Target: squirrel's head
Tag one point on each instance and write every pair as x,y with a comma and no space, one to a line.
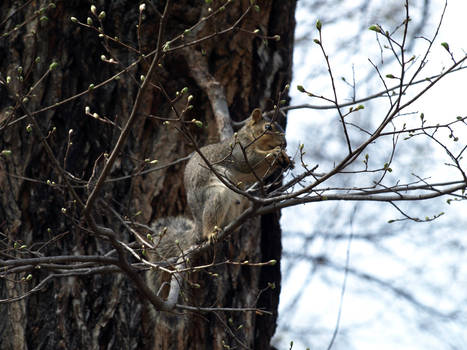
265,133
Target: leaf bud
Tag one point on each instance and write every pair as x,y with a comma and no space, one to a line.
375,28
318,25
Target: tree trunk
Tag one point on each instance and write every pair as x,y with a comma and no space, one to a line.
106,311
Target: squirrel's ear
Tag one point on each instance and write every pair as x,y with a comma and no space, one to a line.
256,115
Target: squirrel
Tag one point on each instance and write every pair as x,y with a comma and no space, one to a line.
253,153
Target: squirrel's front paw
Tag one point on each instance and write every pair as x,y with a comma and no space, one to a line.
213,237
279,156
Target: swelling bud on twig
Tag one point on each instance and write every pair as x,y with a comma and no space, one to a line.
53,65
375,28
446,46
74,19
318,25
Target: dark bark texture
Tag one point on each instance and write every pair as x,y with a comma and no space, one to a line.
106,311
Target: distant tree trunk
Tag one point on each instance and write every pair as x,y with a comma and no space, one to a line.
105,311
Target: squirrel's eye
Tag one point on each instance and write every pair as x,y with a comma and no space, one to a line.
268,127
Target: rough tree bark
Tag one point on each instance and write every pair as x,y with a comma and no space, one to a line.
106,311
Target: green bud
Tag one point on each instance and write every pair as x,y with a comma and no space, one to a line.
101,15
277,37
6,152
94,10
91,86
256,31
74,19
318,25
184,90
300,88
44,19
256,8
316,41
29,128
375,28
390,76
53,65
89,21
446,46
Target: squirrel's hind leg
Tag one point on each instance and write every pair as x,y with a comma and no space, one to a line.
223,206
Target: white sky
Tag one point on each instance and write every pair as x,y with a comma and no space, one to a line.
378,327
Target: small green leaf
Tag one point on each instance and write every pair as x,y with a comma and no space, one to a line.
446,46
300,88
